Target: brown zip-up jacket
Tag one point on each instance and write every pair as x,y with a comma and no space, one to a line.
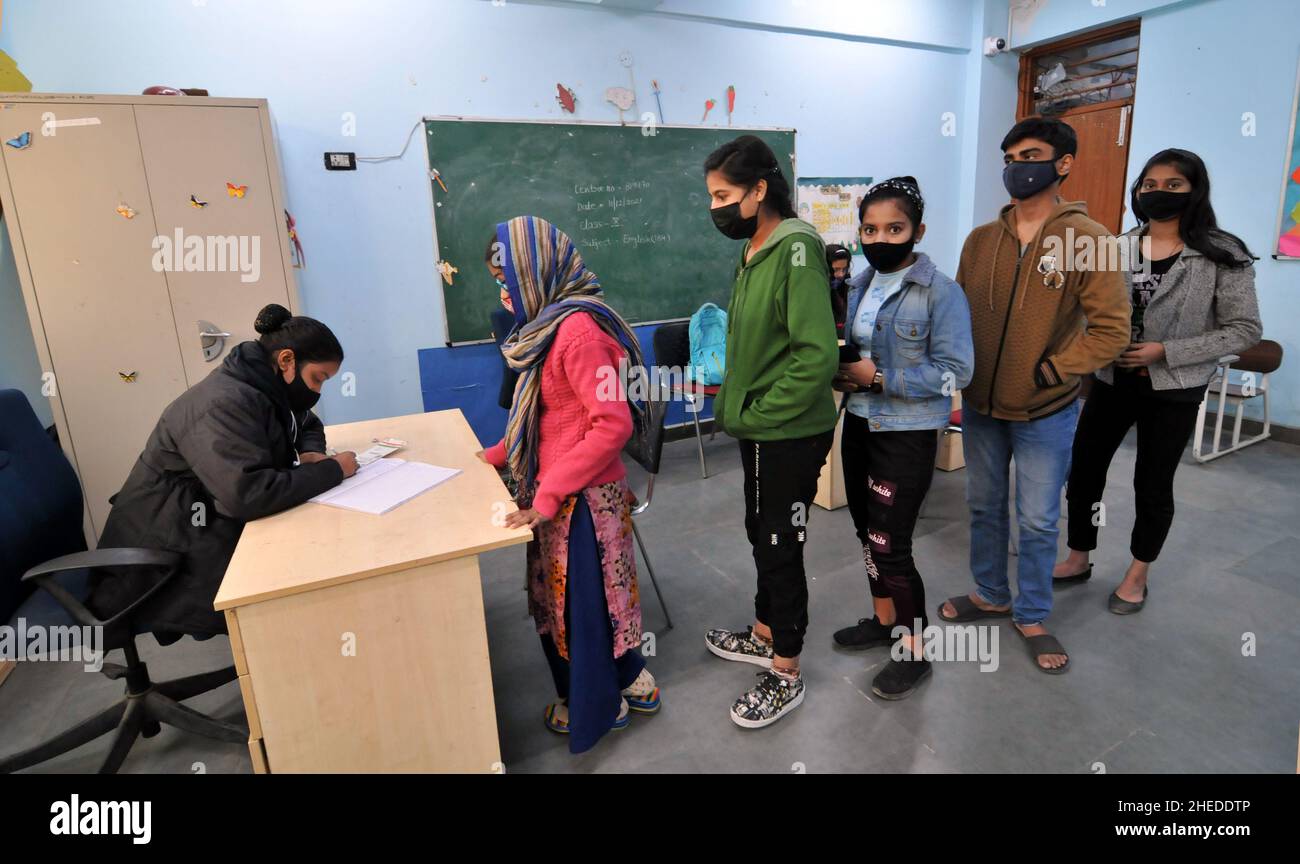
1037,333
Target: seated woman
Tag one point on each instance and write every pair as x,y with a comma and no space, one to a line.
241,444
562,445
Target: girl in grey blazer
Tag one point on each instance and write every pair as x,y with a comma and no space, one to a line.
1192,287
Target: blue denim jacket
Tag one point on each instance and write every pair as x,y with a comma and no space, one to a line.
922,345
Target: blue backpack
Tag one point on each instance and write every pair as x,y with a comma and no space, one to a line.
708,333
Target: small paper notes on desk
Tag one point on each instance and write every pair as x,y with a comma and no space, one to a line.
385,484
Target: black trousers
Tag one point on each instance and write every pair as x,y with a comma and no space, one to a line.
886,477
1163,429
780,484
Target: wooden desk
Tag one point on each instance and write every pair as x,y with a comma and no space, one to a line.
360,640
830,483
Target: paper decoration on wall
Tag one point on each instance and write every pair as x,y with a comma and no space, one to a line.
1288,216
830,204
235,191
708,106
298,256
128,377
568,101
731,101
437,175
125,211
197,204
11,80
447,271
622,98
654,88
22,142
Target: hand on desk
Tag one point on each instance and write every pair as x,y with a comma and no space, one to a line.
348,460
529,518
308,458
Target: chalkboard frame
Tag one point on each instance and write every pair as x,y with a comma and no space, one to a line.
433,216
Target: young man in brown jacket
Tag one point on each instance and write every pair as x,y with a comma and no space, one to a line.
1048,306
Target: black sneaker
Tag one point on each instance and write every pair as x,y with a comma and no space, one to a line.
867,633
899,678
740,645
767,701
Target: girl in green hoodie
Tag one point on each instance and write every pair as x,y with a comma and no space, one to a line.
776,398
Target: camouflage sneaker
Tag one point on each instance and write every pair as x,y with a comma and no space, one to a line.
772,697
742,646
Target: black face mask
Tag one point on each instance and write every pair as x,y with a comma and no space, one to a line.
1026,179
887,256
729,221
301,397
1159,205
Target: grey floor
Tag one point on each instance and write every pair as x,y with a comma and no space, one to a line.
1168,690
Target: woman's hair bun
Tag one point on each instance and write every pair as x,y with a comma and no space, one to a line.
272,317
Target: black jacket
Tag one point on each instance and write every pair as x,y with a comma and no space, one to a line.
223,453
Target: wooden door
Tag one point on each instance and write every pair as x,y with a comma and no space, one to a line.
196,151
1101,163
95,299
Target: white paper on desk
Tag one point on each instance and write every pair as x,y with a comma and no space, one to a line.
383,485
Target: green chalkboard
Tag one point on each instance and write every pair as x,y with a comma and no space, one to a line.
635,205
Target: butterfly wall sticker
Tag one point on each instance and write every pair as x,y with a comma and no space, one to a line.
128,377
21,142
235,191
197,204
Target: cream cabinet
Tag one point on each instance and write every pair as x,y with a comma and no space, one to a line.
147,233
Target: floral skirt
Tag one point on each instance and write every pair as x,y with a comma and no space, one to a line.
548,562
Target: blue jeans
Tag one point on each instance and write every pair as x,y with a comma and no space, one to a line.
1041,449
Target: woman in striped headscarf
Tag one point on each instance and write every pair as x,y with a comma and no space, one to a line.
562,446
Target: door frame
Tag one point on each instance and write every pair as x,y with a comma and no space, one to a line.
1025,83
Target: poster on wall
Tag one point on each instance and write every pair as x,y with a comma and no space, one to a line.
831,205
1288,217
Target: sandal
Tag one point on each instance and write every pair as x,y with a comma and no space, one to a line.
1045,643
1075,578
968,611
557,717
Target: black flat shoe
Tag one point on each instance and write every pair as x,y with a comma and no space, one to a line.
1075,579
867,633
900,678
1120,606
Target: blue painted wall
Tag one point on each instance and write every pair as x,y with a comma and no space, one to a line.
19,367
861,107
869,89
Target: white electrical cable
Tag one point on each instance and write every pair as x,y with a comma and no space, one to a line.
398,155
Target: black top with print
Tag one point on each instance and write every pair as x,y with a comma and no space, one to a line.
1146,282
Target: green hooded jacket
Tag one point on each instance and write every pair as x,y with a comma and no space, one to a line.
782,351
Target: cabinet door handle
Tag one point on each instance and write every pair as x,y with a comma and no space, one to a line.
211,339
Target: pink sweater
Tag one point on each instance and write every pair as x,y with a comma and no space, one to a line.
581,435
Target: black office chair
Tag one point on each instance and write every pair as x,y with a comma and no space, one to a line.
146,704
672,343
646,450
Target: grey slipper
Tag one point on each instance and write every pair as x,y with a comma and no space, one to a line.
1046,643
967,610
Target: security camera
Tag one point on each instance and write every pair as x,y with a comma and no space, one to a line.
994,45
